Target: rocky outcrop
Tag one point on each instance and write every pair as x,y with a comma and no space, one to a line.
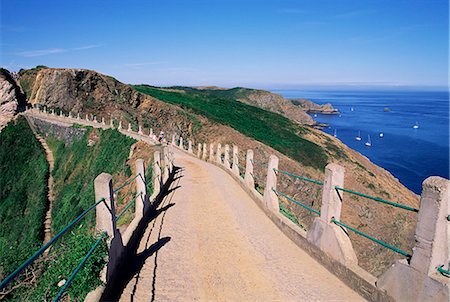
273,102
311,107
11,99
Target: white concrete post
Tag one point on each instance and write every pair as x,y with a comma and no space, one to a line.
324,234
70,114
141,188
173,139
190,146
105,217
151,133
331,199
129,127
87,117
270,197
156,173
120,125
219,153
78,116
248,178
420,280
226,161
95,119
211,152
60,112
204,151
45,109
235,167
199,150
140,130
181,143
167,164
53,112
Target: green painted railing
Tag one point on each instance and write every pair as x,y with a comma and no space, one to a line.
394,204
300,177
258,164
126,183
46,246
382,243
259,179
78,268
443,271
297,202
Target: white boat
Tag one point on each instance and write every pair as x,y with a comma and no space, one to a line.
368,143
315,115
358,138
352,109
416,126
381,135
335,133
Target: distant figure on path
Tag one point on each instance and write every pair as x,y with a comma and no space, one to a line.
161,137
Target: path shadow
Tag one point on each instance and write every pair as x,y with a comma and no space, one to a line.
125,261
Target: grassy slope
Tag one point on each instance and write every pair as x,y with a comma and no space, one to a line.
76,167
269,128
23,195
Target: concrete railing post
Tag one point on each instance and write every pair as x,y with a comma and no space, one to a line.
270,197
219,154
248,178
141,188
211,152
420,280
199,150
235,166
87,117
103,121
105,217
129,127
120,125
173,140
181,143
151,133
204,151
140,130
156,173
226,160
167,164
324,234
190,146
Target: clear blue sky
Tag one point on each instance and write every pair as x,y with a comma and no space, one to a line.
269,44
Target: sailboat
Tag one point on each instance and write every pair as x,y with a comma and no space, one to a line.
381,135
416,126
368,143
358,138
335,133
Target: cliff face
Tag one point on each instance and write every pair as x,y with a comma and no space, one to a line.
310,107
90,92
10,98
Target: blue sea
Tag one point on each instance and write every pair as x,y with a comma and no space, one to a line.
411,155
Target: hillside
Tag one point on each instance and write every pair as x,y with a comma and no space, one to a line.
203,117
23,195
11,98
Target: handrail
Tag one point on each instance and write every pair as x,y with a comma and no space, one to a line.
126,183
297,202
299,177
128,206
394,204
254,176
46,246
79,267
258,164
382,243
443,271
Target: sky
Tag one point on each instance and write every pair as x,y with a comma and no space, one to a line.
262,44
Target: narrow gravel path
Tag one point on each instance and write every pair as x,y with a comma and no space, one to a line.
222,247
51,163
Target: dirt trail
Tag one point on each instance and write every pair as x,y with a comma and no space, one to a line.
222,247
51,163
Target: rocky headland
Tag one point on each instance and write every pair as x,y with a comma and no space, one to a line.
311,107
11,98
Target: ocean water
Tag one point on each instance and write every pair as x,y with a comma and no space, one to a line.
411,155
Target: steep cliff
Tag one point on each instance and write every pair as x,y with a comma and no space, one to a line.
213,116
11,98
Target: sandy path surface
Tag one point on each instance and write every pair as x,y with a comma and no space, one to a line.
219,246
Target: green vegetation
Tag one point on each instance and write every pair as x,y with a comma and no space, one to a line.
267,127
76,167
23,195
